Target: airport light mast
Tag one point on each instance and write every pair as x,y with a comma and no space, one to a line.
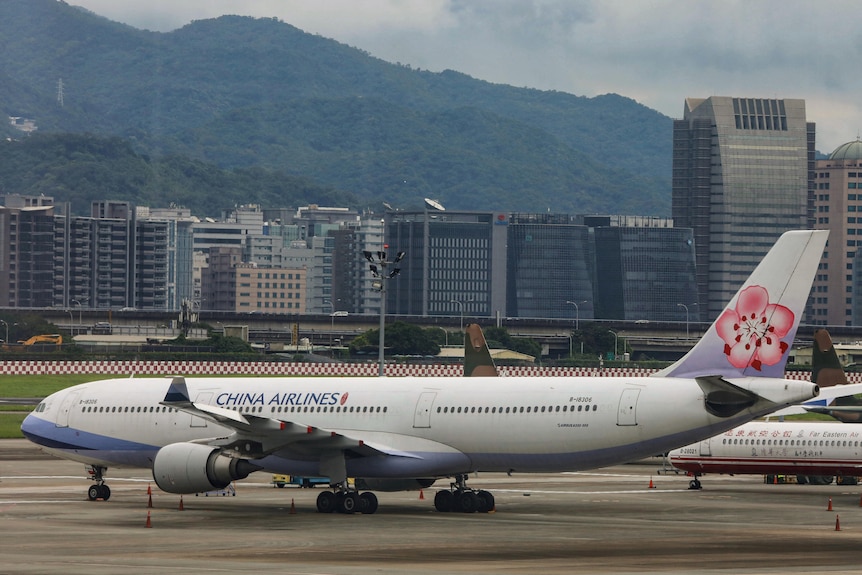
378,264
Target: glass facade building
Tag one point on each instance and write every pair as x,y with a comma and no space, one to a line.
743,173
549,263
450,257
645,274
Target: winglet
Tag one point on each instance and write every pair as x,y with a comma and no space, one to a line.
753,335
477,356
178,392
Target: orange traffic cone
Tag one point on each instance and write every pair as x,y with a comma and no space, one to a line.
292,507
837,524
830,505
182,508
651,484
149,497
149,523
421,494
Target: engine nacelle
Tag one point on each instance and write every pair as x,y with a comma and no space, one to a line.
193,468
384,484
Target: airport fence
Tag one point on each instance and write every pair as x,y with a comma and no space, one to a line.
137,367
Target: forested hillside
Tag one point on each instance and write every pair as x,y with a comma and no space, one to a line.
81,168
242,98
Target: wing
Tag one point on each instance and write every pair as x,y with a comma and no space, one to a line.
835,398
254,436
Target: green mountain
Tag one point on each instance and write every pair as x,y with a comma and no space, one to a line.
260,101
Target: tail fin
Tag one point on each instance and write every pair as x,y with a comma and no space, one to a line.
753,334
477,357
826,369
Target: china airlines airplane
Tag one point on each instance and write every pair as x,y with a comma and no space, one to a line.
198,434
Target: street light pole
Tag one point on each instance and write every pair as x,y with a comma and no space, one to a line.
76,302
378,263
577,312
461,309
686,316
577,323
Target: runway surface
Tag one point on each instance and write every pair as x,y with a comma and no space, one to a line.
604,521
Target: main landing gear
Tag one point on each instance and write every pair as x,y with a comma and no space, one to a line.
346,501
461,498
99,490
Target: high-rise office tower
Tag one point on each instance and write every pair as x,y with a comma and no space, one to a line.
743,173
838,204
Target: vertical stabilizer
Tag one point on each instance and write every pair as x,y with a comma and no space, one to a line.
753,335
477,357
826,369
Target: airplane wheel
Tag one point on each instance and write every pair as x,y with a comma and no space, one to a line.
367,503
106,492
486,501
467,502
349,503
93,492
326,502
444,501
694,484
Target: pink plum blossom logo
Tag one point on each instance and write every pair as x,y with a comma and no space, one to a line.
752,332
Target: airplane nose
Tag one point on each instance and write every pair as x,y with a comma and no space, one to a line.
28,427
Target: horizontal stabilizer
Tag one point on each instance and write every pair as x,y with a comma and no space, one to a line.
723,399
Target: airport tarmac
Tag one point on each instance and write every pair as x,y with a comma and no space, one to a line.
603,521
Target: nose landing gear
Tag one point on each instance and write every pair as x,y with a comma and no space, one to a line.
99,490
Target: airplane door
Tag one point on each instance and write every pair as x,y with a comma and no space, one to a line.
422,416
705,448
203,397
66,408
627,414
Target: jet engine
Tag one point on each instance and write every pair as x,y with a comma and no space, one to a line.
385,484
194,468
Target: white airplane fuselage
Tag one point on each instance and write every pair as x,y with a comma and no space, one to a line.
426,427
787,448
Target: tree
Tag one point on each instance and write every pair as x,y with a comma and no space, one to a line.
598,340
500,337
400,339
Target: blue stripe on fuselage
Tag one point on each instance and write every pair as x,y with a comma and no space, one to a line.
102,448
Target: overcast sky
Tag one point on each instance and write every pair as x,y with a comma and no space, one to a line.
657,52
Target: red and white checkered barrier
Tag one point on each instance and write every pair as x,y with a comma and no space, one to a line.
313,369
